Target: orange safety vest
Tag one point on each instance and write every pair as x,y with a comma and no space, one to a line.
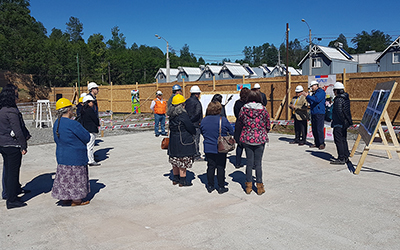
160,107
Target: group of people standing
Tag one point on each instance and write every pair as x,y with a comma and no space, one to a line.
340,118
186,123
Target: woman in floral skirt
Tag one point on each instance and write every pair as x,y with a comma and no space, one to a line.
71,184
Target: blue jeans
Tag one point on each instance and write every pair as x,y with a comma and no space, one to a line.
157,120
254,154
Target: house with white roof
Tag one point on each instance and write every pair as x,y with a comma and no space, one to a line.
327,60
190,74
280,70
233,71
161,75
367,61
209,72
389,60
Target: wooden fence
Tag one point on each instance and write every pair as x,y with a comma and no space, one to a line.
359,86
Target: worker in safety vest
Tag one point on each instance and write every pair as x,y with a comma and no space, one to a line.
159,107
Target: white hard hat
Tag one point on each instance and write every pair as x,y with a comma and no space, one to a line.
195,89
256,86
338,85
299,88
83,94
92,85
87,98
158,92
313,83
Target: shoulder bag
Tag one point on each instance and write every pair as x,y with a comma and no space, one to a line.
225,143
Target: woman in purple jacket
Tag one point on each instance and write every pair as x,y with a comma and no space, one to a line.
210,130
254,119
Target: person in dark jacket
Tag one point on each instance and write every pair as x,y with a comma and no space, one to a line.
238,127
218,98
71,184
195,111
181,147
13,144
210,127
317,110
91,123
93,89
176,89
257,88
341,121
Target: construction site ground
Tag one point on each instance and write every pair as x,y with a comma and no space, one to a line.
308,204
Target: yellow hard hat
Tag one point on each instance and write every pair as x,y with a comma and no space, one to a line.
81,99
178,99
62,103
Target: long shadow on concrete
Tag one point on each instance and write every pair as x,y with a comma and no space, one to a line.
39,185
95,187
366,169
102,154
239,177
321,154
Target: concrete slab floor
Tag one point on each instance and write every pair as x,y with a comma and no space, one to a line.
308,204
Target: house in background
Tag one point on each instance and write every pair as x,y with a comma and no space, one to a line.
366,62
251,71
266,71
161,75
233,71
190,74
209,72
280,70
327,60
389,60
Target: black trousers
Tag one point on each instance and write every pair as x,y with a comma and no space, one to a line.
216,161
317,126
340,139
12,163
300,130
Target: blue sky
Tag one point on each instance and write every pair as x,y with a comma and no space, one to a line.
220,29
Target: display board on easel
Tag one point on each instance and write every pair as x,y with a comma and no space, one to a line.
371,123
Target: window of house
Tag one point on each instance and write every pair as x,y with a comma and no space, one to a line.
208,75
316,63
396,57
161,76
225,74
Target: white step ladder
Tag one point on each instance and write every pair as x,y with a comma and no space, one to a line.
43,110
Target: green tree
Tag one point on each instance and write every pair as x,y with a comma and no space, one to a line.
75,29
377,41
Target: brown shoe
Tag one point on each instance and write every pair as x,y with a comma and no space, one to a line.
321,147
313,146
249,187
260,188
82,203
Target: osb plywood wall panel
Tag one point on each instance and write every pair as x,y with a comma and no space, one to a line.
358,85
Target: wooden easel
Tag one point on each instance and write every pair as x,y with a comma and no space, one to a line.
378,131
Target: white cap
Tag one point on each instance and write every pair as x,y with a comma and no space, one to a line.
299,88
83,94
195,89
87,98
158,92
92,85
256,86
338,85
313,83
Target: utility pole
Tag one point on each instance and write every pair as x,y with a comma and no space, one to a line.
287,71
79,82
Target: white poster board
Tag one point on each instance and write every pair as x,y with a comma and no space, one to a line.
205,99
325,82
